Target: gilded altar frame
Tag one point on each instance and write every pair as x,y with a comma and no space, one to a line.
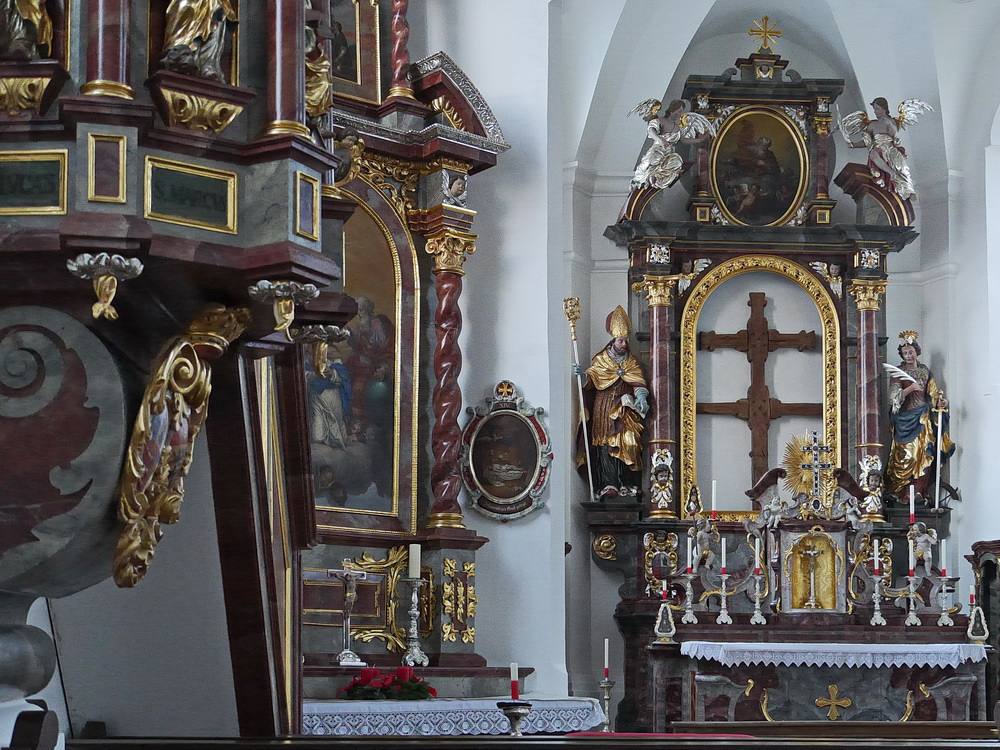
689,349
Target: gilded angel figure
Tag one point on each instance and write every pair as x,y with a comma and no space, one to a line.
661,165
25,27
194,36
886,156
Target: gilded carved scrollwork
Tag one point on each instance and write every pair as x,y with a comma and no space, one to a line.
450,249
172,412
658,543
395,179
605,547
392,566
867,294
458,602
20,94
443,107
199,112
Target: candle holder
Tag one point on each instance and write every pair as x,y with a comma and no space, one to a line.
757,618
413,656
689,617
724,618
515,711
606,685
911,617
944,599
877,618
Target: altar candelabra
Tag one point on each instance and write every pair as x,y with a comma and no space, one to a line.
689,617
944,600
724,618
606,685
414,656
757,618
911,616
877,618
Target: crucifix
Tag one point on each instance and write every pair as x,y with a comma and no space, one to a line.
758,408
814,449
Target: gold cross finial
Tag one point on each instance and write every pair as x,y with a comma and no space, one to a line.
833,702
766,33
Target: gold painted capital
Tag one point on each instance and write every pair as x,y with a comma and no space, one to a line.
659,289
867,294
198,112
107,88
450,249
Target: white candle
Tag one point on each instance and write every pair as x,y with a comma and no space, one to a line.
690,559
413,568
515,687
663,591
756,555
944,557
606,660
972,594
912,493
713,503
513,671
723,554
875,551
910,549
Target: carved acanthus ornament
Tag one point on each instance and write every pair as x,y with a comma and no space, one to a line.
20,94
867,294
106,271
172,412
450,249
659,289
458,601
392,566
283,295
443,107
320,337
396,180
199,112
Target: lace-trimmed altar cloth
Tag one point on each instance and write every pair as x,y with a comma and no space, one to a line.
836,654
445,716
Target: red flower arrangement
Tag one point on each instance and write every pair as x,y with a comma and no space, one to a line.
373,685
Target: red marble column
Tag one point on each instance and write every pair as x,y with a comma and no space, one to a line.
400,60
662,418
867,295
107,49
449,250
286,70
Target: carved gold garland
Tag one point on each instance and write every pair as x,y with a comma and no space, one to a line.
392,567
172,412
689,345
459,601
427,603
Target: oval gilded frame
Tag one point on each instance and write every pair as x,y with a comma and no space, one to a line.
689,350
784,126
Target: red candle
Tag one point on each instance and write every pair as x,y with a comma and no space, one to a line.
515,688
663,591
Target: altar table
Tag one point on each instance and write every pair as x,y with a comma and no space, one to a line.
794,681
448,716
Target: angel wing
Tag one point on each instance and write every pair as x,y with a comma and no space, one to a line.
853,124
898,373
693,124
701,264
908,111
645,108
820,268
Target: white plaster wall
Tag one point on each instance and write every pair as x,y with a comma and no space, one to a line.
513,323
154,659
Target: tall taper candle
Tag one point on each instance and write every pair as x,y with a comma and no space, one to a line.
723,555
875,551
944,557
910,556
713,499
756,555
690,561
972,594
912,494
607,663
413,568
515,689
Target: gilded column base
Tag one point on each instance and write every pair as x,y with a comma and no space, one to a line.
660,513
874,517
402,91
286,127
107,88
445,521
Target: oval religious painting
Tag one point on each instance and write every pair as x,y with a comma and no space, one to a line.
759,167
505,456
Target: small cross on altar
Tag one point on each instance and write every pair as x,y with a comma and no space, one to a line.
814,449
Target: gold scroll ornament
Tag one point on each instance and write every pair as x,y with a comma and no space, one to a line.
459,601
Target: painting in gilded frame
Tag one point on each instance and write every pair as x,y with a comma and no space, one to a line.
759,168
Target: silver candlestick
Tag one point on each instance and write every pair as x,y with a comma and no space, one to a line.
606,685
515,711
724,618
757,618
689,617
877,618
911,616
944,599
413,656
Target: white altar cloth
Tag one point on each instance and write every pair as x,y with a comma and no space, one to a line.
836,654
445,716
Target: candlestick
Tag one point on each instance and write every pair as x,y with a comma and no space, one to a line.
910,556
756,555
413,568
713,504
875,551
515,688
944,558
912,494
690,561
723,555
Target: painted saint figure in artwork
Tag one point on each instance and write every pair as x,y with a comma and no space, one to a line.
916,404
615,402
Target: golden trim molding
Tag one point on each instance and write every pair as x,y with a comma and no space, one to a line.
59,156
302,177
92,140
689,350
232,194
392,567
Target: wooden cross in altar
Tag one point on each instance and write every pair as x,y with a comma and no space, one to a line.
814,449
758,408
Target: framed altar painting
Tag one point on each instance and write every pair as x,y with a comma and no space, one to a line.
355,50
759,167
505,456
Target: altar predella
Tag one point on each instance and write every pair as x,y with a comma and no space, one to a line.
826,596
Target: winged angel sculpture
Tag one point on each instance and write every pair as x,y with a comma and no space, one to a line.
661,164
886,156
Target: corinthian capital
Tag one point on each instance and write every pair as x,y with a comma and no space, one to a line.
867,294
659,289
449,248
